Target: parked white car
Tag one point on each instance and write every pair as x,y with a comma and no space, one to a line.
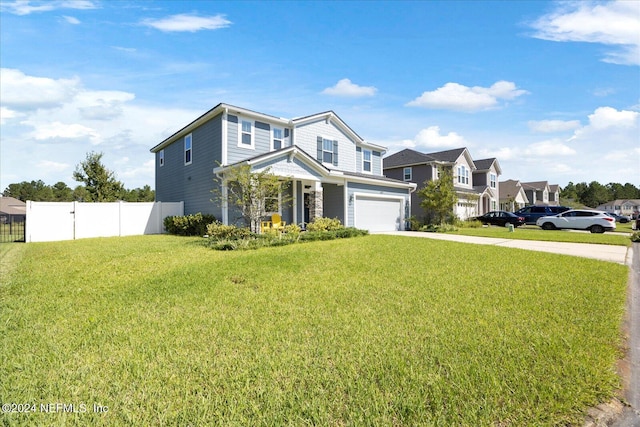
578,219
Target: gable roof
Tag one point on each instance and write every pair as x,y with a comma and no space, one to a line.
511,188
485,165
535,185
448,155
406,157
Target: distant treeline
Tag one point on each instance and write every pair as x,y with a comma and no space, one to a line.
595,194
38,191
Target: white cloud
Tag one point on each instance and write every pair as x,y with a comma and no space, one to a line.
48,166
26,7
20,91
612,23
457,97
7,114
71,20
186,22
431,138
550,126
57,131
549,148
346,88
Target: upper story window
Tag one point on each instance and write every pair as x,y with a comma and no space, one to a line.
245,139
493,179
407,174
187,150
278,138
463,175
161,158
327,151
366,160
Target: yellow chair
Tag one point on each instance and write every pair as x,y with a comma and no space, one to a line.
276,223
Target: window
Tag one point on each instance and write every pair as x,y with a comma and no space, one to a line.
327,151
161,157
493,179
272,204
463,175
277,138
366,160
187,150
407,174
246,134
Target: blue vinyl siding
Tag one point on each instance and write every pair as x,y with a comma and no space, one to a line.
261,140
192,183
333,201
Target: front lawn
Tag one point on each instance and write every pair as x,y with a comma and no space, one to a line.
377,330
536,233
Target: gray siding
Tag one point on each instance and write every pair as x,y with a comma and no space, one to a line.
333,201
306,138
420,174
192,183
261,135
480,178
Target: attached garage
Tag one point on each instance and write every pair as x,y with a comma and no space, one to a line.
378,213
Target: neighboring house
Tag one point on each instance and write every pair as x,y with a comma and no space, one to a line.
475,182
554,194
12,210
537,192
512,195
334,172
627,207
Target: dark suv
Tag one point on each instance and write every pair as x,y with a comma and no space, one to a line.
532,213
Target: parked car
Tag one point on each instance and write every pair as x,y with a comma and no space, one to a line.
532,213
622,219
501,218
578,219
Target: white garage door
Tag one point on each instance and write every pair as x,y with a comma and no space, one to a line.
378,214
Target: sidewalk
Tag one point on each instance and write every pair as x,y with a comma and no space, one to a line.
618,254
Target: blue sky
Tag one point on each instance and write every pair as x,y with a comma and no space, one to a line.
551,89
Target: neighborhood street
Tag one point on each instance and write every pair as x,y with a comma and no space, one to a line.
630,416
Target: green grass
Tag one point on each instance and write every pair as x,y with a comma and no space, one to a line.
536,233
376,330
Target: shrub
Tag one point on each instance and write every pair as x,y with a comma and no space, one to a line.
324,224
635,237
439,228
188,225
413,223
470,223
219,231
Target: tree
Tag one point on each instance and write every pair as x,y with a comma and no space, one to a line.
36,191
253,194
439,196
100,183
62,192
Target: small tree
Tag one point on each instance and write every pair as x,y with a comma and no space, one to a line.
254,194
439,196
100,183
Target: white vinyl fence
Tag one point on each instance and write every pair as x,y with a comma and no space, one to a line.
52,221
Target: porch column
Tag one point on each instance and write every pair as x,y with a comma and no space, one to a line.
315,201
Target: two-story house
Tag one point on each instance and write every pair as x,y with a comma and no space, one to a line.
475,182
333,171
537,192
512,195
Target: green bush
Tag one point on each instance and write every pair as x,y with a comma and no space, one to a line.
439,228
219,231
470,223
324,224
413,223
635,237
188,225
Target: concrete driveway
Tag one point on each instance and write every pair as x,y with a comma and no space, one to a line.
619,254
